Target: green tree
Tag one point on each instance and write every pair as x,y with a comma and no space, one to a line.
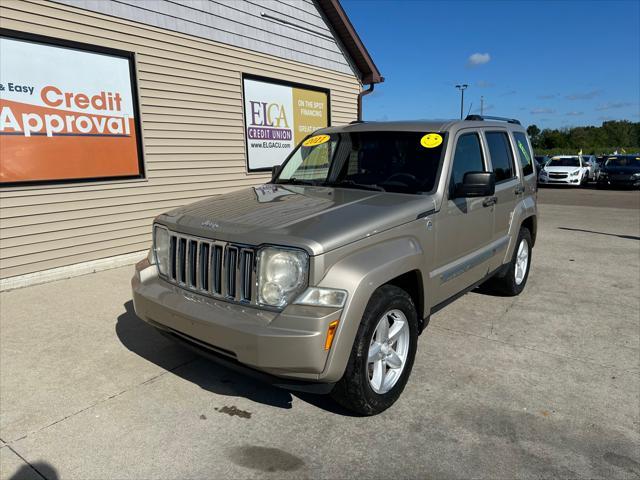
533,130
610,136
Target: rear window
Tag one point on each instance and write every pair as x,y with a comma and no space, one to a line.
524,154
501,157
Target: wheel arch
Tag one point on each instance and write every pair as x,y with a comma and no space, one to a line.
361,274
531,224
412,283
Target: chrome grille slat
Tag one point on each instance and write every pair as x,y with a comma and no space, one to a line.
192,264
172,257
231,274
246,276
212,267
182,260
203,266
217,261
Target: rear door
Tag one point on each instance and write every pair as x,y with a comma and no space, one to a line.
509,189
464,226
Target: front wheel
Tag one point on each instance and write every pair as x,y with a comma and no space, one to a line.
382,354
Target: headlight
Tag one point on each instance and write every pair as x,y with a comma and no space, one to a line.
544,173
575,174
161,248
322,297
282,274
637,175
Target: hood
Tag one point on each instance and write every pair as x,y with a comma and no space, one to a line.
317,219
561,169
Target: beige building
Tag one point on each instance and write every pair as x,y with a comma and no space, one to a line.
85,168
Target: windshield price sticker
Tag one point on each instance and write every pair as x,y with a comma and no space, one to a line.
316,140
431,140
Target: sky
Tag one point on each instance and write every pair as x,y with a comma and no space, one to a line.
550,63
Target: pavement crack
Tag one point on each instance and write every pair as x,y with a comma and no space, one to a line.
27,462
103,400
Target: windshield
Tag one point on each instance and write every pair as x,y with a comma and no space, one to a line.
564,162
623,162
402,162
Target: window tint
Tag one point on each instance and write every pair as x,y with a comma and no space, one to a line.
468,158
523,153
501,158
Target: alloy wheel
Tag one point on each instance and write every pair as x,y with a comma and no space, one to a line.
388,351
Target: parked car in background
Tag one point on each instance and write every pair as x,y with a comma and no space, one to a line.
541,161
620,170
565,170
590,162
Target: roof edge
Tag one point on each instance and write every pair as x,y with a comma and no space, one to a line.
351,41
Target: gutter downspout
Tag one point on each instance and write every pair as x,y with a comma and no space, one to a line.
360,95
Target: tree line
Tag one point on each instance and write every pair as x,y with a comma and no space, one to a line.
615,135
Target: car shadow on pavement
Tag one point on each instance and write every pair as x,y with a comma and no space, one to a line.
626,237
144,340
35,470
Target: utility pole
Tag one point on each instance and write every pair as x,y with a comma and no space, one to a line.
481,105
462,88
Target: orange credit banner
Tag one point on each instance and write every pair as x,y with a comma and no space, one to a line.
66,114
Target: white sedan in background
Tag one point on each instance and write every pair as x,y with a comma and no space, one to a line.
565,170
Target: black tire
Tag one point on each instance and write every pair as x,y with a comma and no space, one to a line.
354,391
506,284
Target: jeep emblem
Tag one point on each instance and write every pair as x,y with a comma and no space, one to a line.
210,224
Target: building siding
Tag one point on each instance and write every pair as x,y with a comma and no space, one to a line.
192,129
294,31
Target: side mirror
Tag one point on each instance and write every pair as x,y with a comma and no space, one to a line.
274,172
476,184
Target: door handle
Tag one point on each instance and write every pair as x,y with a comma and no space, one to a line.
487,202
519,189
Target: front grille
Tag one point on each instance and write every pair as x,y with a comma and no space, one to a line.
557,175
212,267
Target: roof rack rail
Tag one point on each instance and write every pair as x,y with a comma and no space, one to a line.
486,117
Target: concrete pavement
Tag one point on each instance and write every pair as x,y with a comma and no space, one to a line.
546,384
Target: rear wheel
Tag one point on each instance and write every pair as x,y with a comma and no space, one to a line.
382,355
515,279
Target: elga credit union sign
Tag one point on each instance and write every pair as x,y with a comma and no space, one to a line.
277,116
67,113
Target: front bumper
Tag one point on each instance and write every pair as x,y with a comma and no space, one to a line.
286,345
619,180
571,181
